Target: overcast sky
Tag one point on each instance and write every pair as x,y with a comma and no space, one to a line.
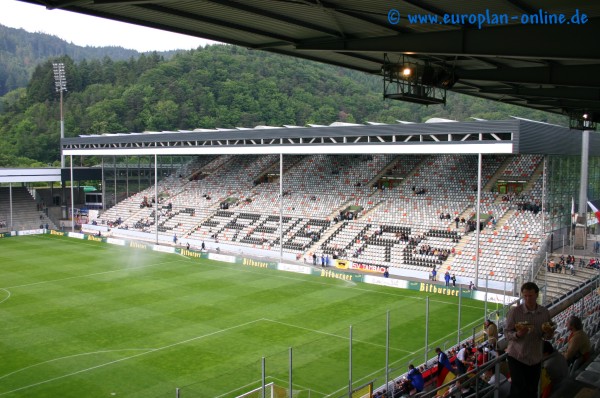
84,30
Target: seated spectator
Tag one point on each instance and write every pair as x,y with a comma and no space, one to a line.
554,370
456,390
504,386
579,347
482,356
402,388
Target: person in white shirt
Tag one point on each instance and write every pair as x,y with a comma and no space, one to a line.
461,357
503,384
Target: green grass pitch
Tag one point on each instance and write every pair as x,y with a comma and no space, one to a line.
86,319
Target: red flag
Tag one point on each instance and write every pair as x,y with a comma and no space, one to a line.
595,210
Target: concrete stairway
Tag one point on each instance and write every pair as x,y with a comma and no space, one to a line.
558,284
499,173
25,213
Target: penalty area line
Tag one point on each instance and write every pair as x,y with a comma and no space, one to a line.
72,356
150,351
331,334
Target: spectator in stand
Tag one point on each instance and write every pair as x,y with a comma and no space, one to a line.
579,347
443,363
524,333
482,356
459,390
461,359
554,370
490,377
491,330
402,388
416,378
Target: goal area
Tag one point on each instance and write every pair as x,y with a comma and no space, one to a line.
272,390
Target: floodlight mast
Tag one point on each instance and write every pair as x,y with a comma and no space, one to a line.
60,84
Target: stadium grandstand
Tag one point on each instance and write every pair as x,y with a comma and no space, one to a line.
407,207
401,200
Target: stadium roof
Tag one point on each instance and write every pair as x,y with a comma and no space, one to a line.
515,51
492,137
29,175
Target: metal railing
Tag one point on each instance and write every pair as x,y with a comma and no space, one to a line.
472,381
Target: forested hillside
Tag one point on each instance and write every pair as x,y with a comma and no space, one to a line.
216,86
21,52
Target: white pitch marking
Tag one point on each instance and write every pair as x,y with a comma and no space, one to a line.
130,357
72,356
7,297
396,293
331,334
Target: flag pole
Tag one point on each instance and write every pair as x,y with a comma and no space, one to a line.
573,224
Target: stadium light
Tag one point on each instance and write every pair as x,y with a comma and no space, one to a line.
583,120
60,84
420,83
